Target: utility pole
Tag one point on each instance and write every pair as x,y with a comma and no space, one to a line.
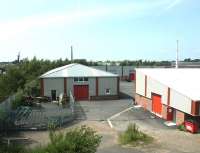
18,57
177,50
72,54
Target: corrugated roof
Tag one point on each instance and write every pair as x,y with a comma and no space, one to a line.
76,70
185,81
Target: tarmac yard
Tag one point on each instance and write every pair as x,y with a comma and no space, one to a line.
96,113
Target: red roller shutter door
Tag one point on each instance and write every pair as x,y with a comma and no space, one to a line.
156,104
81,92
132,76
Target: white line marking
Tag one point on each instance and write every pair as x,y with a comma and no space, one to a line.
109,122
116,115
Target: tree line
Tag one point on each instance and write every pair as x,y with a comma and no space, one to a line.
23,76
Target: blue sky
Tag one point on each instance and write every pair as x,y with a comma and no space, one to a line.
99,29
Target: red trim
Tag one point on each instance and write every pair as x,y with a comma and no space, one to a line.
194,108
118,85
65,85
168,96
41,87
97,86
145,92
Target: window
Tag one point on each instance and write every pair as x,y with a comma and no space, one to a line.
85,79
107,91
75,79
80,79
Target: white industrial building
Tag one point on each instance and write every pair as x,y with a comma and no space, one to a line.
84,82
172,94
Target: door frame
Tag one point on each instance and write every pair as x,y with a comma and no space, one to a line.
152,93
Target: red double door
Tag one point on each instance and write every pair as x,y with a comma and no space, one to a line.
81,92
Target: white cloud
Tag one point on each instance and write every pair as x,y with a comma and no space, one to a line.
16,28
173,4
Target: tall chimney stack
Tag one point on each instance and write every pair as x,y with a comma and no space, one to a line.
177,50
72,54
18,57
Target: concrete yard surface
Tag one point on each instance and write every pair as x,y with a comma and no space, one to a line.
166,139
95,114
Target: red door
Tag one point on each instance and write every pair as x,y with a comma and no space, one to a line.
132,76
81,92
156,104
170,113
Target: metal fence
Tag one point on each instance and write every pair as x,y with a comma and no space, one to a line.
6,104
40,117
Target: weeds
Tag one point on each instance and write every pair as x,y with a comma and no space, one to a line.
134,136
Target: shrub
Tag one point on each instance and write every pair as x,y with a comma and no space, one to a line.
19,99
133,136
181,127
11,149
78,140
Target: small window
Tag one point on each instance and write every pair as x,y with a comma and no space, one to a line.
80,80
75,79
85,79
107,91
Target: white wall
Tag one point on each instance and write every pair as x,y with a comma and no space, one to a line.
107,83
158,88
140,83
180,102
53,84
70,86
91,83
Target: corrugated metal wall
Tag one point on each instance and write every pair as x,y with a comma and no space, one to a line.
58,85
177,100
140,83
53,84
107,83
180,102
120,70
158,88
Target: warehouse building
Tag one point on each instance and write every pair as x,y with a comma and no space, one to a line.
172,94
125,72
84,82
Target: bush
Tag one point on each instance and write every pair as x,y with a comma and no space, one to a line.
181,127
78,140
11,149
19,99
133,136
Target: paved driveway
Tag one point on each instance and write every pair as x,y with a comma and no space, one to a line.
167,139
127,89
100,110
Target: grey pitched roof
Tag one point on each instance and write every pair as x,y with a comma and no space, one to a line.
76,70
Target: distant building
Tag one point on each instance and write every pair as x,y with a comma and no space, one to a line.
84,82
187,64
172,94
125,72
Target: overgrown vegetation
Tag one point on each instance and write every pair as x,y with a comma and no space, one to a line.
78,140
133,136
